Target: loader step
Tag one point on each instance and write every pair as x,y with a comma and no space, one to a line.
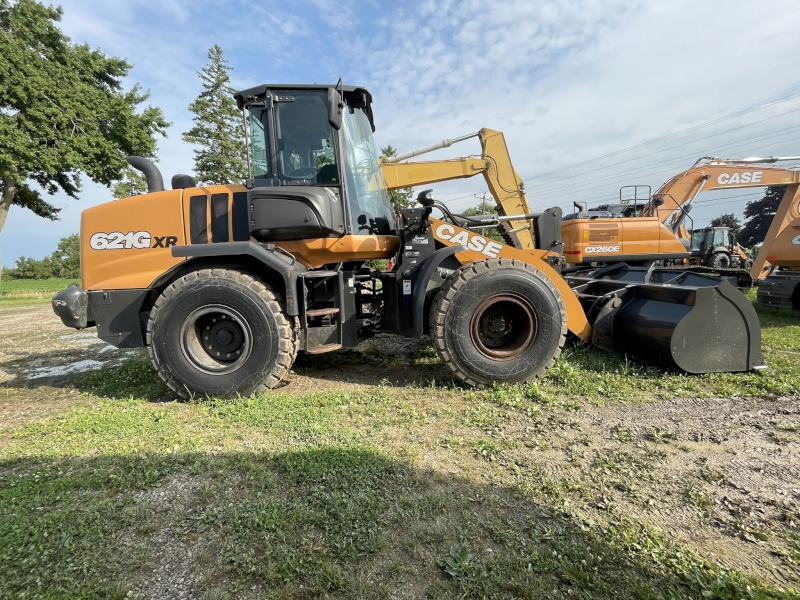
319,312
323,349
319,274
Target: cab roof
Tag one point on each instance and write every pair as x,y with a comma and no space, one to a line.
255,93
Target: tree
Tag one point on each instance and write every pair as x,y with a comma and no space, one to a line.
403,197
485,209
64,262
217,131
727,220
63,111
759,215
132,183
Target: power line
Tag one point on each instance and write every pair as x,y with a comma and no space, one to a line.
667,149
647,170
666,137
573,190
729,146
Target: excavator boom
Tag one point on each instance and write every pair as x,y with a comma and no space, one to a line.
505,185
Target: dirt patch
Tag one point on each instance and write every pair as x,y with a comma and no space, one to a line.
722,475
39,359
172,555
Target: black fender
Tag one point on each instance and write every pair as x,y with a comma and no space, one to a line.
423,276
274,257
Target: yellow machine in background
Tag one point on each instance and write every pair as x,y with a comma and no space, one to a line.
226,284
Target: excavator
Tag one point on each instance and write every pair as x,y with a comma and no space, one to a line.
225,284
781,249
659,233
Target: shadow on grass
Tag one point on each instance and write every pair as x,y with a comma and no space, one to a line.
322,521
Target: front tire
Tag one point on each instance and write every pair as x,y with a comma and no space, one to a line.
219,332
498,320
719,260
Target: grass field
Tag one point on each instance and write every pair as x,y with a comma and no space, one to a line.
383,490
19,292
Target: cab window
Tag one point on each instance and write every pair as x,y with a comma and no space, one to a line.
305,140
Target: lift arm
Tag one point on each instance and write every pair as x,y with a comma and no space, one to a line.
504,183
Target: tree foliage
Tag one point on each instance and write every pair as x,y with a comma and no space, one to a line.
759,215
485,209
403,197
132,183
64,262
218,132
63,111
727,220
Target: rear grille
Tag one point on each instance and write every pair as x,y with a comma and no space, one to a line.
222,208
607,234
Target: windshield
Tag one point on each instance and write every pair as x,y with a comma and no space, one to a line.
305,140
699,239
366,189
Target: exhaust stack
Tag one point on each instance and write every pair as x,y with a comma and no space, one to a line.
155,182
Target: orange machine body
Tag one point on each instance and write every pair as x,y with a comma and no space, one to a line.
127,244
649,237
481,248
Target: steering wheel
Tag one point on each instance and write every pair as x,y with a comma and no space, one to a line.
305,173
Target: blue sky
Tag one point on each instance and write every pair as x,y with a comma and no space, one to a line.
565,81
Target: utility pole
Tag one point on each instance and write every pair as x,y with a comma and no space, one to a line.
483,202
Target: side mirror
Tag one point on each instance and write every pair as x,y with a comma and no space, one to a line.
335,107
425,198
658,201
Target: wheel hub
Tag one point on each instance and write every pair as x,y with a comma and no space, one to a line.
503,327
216,339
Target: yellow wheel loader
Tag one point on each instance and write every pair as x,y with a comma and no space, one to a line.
225,284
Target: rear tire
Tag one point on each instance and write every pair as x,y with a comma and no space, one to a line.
498,320
748,264
719,260
219,332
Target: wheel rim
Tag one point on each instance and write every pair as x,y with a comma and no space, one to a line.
503,327
216,339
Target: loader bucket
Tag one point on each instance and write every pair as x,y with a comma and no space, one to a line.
695,322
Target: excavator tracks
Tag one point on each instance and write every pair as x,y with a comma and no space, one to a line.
780,290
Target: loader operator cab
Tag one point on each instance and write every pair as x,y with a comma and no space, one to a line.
314,143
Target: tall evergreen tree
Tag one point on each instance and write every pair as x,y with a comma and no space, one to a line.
132,183
759,215
402,197
63,111
221,154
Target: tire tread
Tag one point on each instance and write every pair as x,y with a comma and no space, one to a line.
444,298
289,343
